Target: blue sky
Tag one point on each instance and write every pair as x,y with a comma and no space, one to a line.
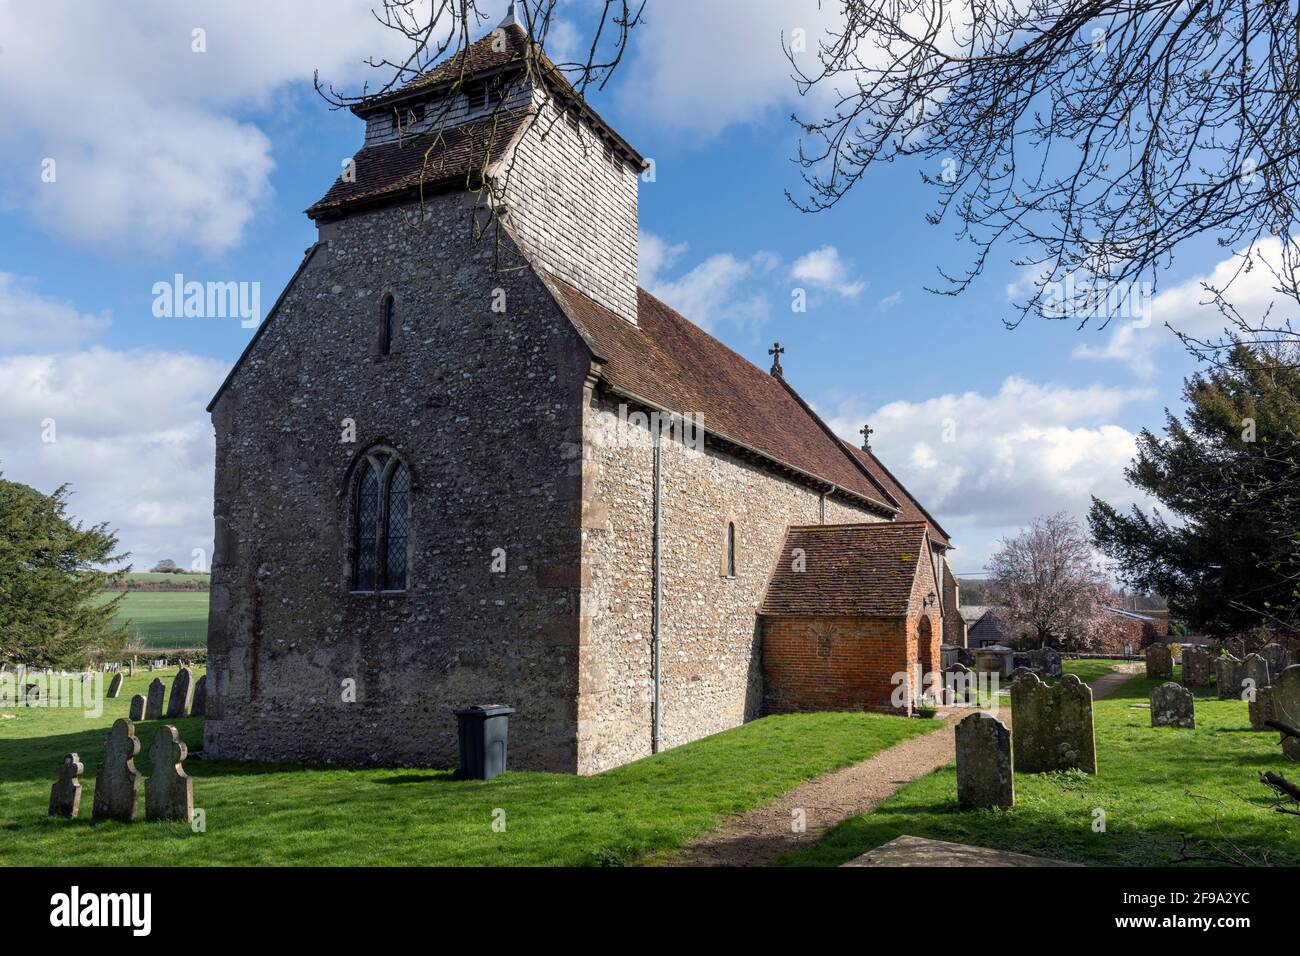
175,161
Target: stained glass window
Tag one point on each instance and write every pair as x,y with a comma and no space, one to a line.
399,488
382,524
367,528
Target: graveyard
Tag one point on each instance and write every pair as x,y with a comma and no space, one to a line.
1166,794
260,814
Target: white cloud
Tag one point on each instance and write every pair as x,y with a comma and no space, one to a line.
823,268
127,430
28,319
986,465
722,288
699,67
891,300
147,152
654,255
1189,308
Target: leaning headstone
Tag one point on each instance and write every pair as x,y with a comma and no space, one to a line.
115,687
178,705
200,705
169,791
1172,705
1286,707
117,782
1254,675
1228,674
153,708
1277,658
1198,667
1160,663
1260,706
137,707
984,777
65,795
1052,725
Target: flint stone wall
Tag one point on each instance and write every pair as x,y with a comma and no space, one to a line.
485,408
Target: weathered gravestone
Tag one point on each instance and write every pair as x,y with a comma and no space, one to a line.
169,791
200,705
1286,707
1228,674
1160,663
153,707
65,795
1260,706
1052,725
1051,659
178,705
1020,672
1254,675
984,777
117,783
1198,667
1255,690
1277,657
137,707
130,668
115,687
1172,705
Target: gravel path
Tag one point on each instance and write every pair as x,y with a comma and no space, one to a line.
759,836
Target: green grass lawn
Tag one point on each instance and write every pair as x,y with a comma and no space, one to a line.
1155,785
275,814
1089,669
163,619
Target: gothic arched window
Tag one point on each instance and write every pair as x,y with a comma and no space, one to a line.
387,324
382,521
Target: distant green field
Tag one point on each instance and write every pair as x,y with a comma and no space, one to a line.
177,579
164,619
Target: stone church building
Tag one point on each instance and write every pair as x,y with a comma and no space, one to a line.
465,459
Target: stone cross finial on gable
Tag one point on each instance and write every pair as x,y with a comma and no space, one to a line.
866,437
776,352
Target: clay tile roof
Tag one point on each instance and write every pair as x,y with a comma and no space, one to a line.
677,366
909,508
457,155
479,57
862,570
